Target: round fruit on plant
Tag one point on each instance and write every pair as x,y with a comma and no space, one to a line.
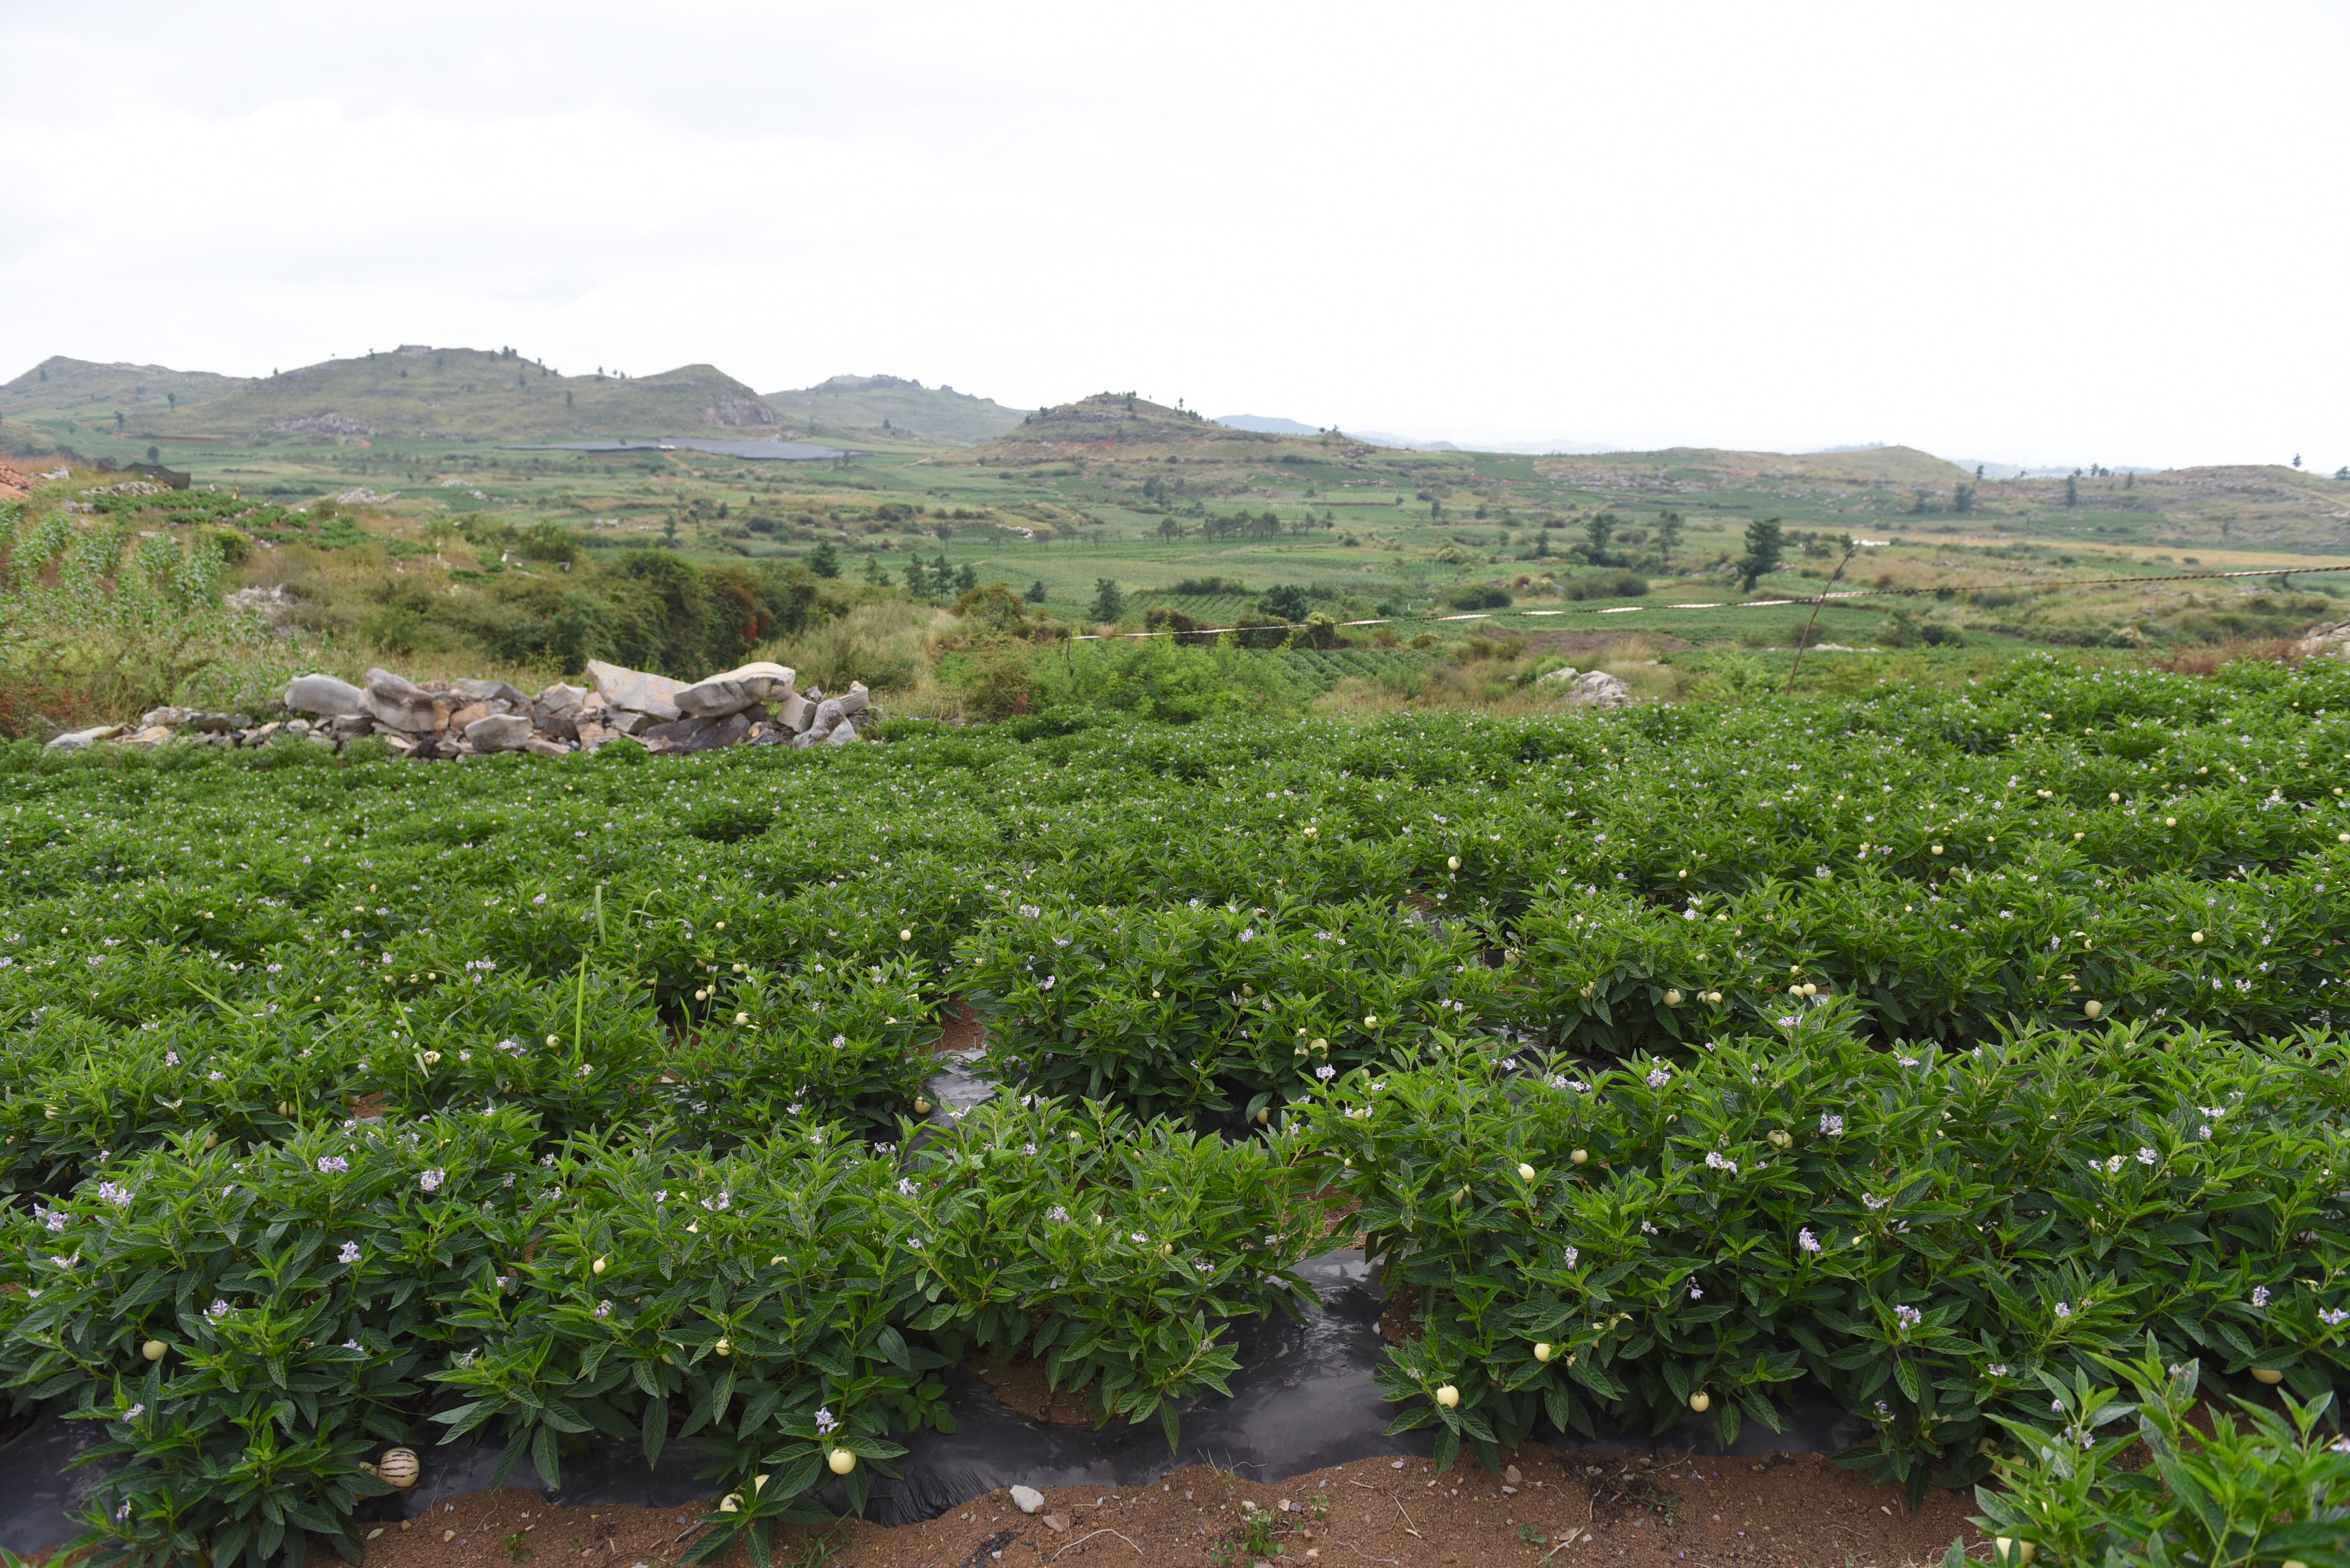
1700,1401
1578,1157
922,1107
1543,1351
597,1267
2012,1552
1452,862
2093,1009
841,1461
1672,998
1449,1397
397,1468
1525,1171
154,1350
2267,1375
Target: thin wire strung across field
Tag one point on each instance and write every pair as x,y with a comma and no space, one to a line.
1720,604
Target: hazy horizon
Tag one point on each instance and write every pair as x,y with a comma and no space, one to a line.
2055,235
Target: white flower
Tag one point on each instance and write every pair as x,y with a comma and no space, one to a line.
1659,1077
906,1186
431,1180
2146,1156
350,1253
1831,1126
1326,1072
1909,1317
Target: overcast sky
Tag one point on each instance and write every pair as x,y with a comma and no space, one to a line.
2039,232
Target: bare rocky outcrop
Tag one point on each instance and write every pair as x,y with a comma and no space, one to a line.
2329,640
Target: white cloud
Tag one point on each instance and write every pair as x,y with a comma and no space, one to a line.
2042,232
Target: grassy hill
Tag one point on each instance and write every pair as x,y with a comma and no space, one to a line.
464,394
888,407
60,383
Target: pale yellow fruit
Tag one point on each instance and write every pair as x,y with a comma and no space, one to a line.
1449,1397
397,1468
922,1107
724,1347
2196,937
1672,998
905,936
597,1267
1526,1172
1452,862
154,1350
841,1462
2268,1374
1543,1353
1579,1156
1700,1401
2093,1009
1370,1021
2014,1552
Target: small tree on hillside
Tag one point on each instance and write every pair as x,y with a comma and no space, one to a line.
1599,530
1110,599
824,560
1669,535
1766,542
1036,592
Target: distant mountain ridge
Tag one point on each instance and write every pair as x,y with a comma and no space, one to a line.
421,393
896,408
61,382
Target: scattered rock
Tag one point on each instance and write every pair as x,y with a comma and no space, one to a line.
2329,640
270,604
1058,1523
400,704
654,695
76,740
1027,1499
170,718
317,694
498,733
1598,689
736,689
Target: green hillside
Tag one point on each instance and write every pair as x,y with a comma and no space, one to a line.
419,393
60,383
891,407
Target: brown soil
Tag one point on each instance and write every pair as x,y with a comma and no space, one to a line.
1399,1318
1622,1511
1020,1382
961,1028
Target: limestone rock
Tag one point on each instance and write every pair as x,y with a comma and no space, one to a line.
1598,689
592,735
78,740
732,691
795,711
489,691
842,734
400,704
464,717
854,700
498,733
170,718
152,735
1027,1499
635,690
541,746
2329,640
828,714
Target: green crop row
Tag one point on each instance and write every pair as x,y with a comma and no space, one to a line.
246,1324
1923,1232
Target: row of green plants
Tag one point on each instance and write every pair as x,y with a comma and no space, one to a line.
247,1325
1923,1232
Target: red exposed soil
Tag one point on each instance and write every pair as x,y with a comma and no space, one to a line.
1622,1511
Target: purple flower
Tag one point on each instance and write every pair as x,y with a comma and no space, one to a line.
431,1180
350,1253
170,1059
540,899
1831,1126
124,1511
838,1041
134,1412
1047,983
1787,1024
1806,1241
906,1186
2260,1296
1326,1072
2063,1309
603,1309
824,1422
1057,1214
1659,1077
1248,936
118,1196
1572,1257
1909,1317
219,1309
333,1165
1713,1161
1695,1293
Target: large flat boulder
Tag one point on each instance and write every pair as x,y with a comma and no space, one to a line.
637,691
498,733
731,691
401,704
78,740
514,697
321,694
